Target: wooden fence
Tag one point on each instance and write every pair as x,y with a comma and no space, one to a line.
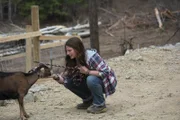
33,37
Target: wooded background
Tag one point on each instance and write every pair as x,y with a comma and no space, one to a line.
65,10
60,10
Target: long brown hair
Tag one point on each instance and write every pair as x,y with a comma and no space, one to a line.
77,45
80,59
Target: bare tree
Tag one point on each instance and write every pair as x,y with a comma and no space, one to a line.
9,10
15,9
15,4
1,10
94,30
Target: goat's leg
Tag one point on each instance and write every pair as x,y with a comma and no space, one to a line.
23,114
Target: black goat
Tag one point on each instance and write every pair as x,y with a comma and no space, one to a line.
15,85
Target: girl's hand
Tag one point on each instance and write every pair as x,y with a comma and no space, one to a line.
55,77
58,78
83,70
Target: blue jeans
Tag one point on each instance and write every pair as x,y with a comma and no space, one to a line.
89,89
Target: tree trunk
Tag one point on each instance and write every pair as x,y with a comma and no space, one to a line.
9,11
1,10
93,20
15,10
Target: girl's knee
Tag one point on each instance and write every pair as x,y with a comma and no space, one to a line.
91,81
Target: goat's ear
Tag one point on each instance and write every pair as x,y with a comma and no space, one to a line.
41,64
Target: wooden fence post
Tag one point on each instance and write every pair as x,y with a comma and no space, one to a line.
35,27
28,49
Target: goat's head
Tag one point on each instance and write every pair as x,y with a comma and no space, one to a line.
43,70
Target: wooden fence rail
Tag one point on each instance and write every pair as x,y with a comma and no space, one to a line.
20,36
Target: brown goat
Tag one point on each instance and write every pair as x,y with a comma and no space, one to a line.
15,85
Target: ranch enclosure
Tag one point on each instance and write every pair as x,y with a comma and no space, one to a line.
32,38
148,74
124,26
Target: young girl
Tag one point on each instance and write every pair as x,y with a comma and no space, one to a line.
87,75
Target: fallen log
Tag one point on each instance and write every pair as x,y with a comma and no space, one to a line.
61,29
158,18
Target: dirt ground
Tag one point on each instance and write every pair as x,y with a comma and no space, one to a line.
147,89
148,77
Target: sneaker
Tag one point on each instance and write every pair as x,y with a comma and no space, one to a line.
96,109
84,105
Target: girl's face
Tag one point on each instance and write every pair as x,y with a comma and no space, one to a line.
71,52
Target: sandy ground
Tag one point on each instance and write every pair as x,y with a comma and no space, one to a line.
148,78
148,89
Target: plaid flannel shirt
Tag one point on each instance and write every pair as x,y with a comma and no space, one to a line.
95,62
